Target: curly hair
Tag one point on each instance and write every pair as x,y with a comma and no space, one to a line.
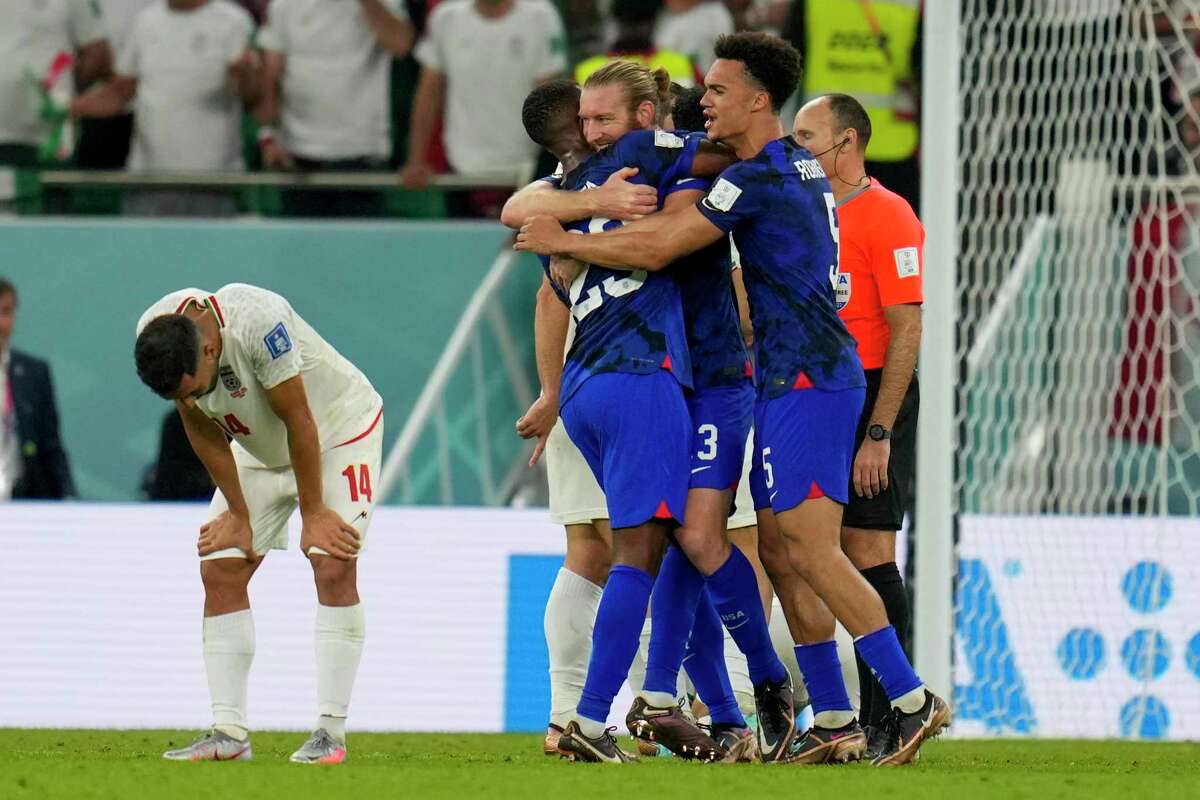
687,114
548,109
167,349
772,62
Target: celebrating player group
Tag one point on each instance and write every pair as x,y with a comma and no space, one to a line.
656,394
694,477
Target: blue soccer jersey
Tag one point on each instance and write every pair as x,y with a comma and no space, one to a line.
780,208
629,322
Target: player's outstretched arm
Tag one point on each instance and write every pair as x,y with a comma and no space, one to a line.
212,448
616,199
322,527
651,243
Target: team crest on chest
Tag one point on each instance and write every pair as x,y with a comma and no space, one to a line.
231,382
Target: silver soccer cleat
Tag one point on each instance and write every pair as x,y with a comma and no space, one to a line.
213,745
321,748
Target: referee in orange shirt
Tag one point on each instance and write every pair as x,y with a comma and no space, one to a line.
878,288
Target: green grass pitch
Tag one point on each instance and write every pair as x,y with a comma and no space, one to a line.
127,765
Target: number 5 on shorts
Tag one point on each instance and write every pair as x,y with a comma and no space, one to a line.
360,483
767,471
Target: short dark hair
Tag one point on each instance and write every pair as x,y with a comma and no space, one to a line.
6,287
549,108
772,62
849,113
686,112
167,349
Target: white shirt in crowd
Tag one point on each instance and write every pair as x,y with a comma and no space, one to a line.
693,32
187,115
10,448
490,66
264,343
31,35
336,90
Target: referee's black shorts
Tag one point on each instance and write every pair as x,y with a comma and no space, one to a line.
885,511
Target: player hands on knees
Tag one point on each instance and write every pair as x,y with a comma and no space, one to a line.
231,362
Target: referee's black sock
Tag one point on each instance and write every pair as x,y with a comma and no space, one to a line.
887,581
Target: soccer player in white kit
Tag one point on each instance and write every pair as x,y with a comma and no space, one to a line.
280,420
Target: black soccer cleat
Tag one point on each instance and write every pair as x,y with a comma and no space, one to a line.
829,745
877,738
740,745
906,732
776,719
574,746
670,728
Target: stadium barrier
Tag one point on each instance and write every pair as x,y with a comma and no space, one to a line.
388,295
106,633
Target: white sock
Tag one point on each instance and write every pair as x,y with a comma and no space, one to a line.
590,728
637,670
739,675
911,702
570,617
833,719
335,726
339,640
228,653
658,699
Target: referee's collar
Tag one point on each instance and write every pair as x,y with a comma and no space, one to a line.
856,192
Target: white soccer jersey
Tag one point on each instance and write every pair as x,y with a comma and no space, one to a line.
264,343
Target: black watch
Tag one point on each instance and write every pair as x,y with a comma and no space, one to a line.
878,433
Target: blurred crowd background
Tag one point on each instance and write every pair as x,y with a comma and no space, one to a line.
417,88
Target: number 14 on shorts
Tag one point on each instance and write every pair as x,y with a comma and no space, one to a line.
359,479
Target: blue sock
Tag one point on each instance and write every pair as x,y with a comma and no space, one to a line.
672,608
823,676
615,639
705,664
734,591
884,655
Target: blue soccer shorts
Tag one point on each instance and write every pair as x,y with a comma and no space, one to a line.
804,446
634,432
721,418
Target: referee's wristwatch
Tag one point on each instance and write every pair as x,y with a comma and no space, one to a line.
878,433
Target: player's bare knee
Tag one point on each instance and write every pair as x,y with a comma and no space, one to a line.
641,547
225,574
225,582
707,549
336,580
868,548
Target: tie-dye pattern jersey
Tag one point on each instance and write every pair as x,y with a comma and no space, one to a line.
625,321
780,208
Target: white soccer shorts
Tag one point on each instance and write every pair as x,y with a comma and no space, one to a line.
575,496
349,473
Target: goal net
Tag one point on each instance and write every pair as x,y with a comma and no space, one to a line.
1076,440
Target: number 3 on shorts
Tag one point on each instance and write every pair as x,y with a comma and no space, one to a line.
767,471
709,432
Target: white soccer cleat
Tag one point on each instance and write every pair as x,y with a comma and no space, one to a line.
321,748
213,745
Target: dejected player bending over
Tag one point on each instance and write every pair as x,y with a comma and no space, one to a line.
279,419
